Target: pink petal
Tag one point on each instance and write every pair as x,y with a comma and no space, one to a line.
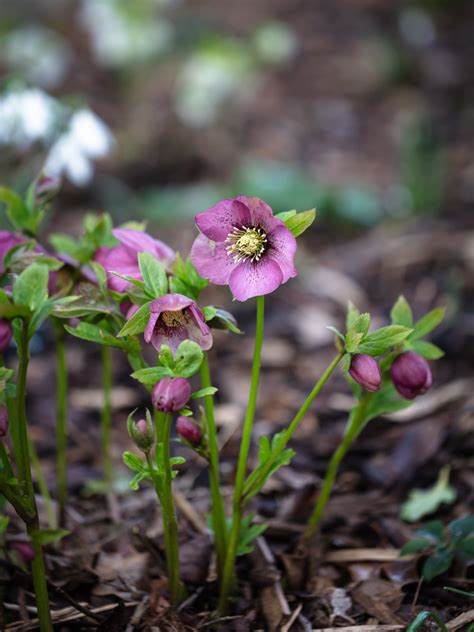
221,219
170,303
137,241
171,336
282,248
211,260
261,214
255,279
150,327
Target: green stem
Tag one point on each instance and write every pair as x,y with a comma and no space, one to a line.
106,418
42,484
228,575
61,422
257,479
353,428
24,473
169,516
218,512
20,503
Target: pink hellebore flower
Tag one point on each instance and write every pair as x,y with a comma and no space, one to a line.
124,257
411,375
365,371
171,394
188,430
244,245
174,318
5,334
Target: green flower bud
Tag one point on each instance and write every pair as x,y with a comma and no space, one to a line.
141,432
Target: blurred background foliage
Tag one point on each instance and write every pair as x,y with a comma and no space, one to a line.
158,108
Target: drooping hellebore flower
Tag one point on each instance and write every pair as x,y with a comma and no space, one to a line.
5,334
365,371
411,375
124,257
171,394
174,318
244,245
188,431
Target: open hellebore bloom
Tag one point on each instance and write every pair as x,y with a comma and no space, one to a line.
365,371
5,335
188,431
124,257
244,245
174,318
171,394
411,375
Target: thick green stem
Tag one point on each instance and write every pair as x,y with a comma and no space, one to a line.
106,418
61,422
42,484
353,428
256,480
218,512
169,517
228,576
24,474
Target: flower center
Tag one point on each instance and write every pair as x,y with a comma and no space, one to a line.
173,319
246,243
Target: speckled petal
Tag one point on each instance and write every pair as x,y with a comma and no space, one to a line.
221,219
282,248
255,279
170,303
211,260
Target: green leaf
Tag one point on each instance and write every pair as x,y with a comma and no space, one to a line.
202,392
401,313
352,341
286,215
133,462
151,375
466,547
422,502
420,619
154,274
415,546
138,478
4,521
336,331
137,323
17,210
427,349
383,339
433,531
47,536
461,527
166,357
31,287
429,322
248,534
94,333
300,222
189,357
352,315
437,564
221,319
362,324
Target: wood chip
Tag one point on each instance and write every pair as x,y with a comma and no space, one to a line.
367,555
460,621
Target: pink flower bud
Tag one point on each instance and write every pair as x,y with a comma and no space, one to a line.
5,335
188,430
141,432
3,421
365,371
411,375
24,549
171,394
46,187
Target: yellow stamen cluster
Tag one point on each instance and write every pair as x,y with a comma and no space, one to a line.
173,319
246,243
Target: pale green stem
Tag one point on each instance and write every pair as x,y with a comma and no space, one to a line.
61,422
218,512
233,543
106,419
354,426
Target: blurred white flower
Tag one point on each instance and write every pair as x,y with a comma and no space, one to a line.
86,138
27,116
125,33
39,53
276,43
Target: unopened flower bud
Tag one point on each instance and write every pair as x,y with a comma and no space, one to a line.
188,430
5,334
24,549
3,421
46,187
171,394
411,375
365,371
141,432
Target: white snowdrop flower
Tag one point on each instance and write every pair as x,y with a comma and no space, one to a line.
27,116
